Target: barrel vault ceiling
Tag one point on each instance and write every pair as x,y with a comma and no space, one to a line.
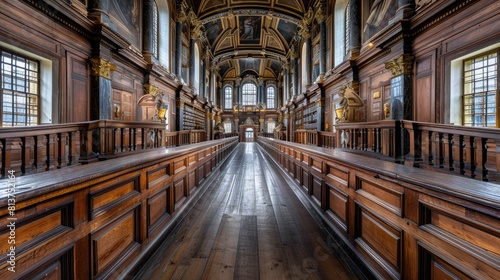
249,36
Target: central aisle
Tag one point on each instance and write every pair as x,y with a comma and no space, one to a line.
249,224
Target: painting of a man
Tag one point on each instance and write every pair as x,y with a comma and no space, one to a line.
250,29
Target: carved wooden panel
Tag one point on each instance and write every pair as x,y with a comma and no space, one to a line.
192,180
157,177
317,186
159,208
180,191
379,241
108,195
338,206
179,165
114,241
383,193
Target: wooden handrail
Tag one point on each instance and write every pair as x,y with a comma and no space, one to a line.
45,147
420,218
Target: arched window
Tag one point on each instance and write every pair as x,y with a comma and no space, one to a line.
341,31
249,92
155,30
163,31
271,97
228,97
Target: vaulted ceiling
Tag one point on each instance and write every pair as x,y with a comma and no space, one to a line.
250,36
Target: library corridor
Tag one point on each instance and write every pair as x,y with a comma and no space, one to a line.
250,224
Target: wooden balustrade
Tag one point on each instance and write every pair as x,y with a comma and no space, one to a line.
102,220
401,222
308,137
46,147
327,139
468,151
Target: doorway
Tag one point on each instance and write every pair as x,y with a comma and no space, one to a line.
249,135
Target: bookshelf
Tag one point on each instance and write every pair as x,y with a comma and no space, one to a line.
310,118
194,118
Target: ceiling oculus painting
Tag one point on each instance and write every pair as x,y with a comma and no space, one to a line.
250,28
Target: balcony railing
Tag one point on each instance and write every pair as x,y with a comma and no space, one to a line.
469,151
185,137
40,148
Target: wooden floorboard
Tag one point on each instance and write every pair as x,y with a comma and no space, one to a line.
249,224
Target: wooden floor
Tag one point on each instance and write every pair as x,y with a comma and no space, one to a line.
248,225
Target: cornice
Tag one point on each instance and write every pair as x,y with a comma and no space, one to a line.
219,14
436,12
58,16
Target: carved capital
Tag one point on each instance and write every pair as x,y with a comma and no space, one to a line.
180,103
260,81
402,65
237,82
150,89
101,67
181,14
320,14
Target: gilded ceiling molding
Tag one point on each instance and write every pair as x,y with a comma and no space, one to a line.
150,89
250,12
403,65
101,67
230,55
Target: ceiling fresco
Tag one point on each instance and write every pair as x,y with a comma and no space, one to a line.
248,35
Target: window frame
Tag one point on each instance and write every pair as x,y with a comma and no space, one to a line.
27,84
226,88
273,97
246,94
480,94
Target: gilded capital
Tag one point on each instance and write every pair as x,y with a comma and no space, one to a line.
402,65
180,103
101,67
150,89
320,14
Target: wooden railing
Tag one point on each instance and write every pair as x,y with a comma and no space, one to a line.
308,137
401,222
102,220
469,151
46,147
185,137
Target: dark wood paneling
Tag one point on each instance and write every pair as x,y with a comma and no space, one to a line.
405,222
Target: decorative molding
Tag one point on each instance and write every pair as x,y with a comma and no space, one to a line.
249,12
403,65
101,67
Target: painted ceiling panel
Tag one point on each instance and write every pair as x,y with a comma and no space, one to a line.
246,35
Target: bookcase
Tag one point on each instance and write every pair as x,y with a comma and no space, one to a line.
305,117
298,117
310,118
194,118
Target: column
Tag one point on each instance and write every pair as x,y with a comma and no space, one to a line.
295,79
320,17
191,62
406,9
355,27
147,37
99,11
218,99
181,16
100,102
401,87
309,60
211,84
286,85
236,93
203,88
260,97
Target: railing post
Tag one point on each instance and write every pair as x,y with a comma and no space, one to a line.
414,157
398,142
61,149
